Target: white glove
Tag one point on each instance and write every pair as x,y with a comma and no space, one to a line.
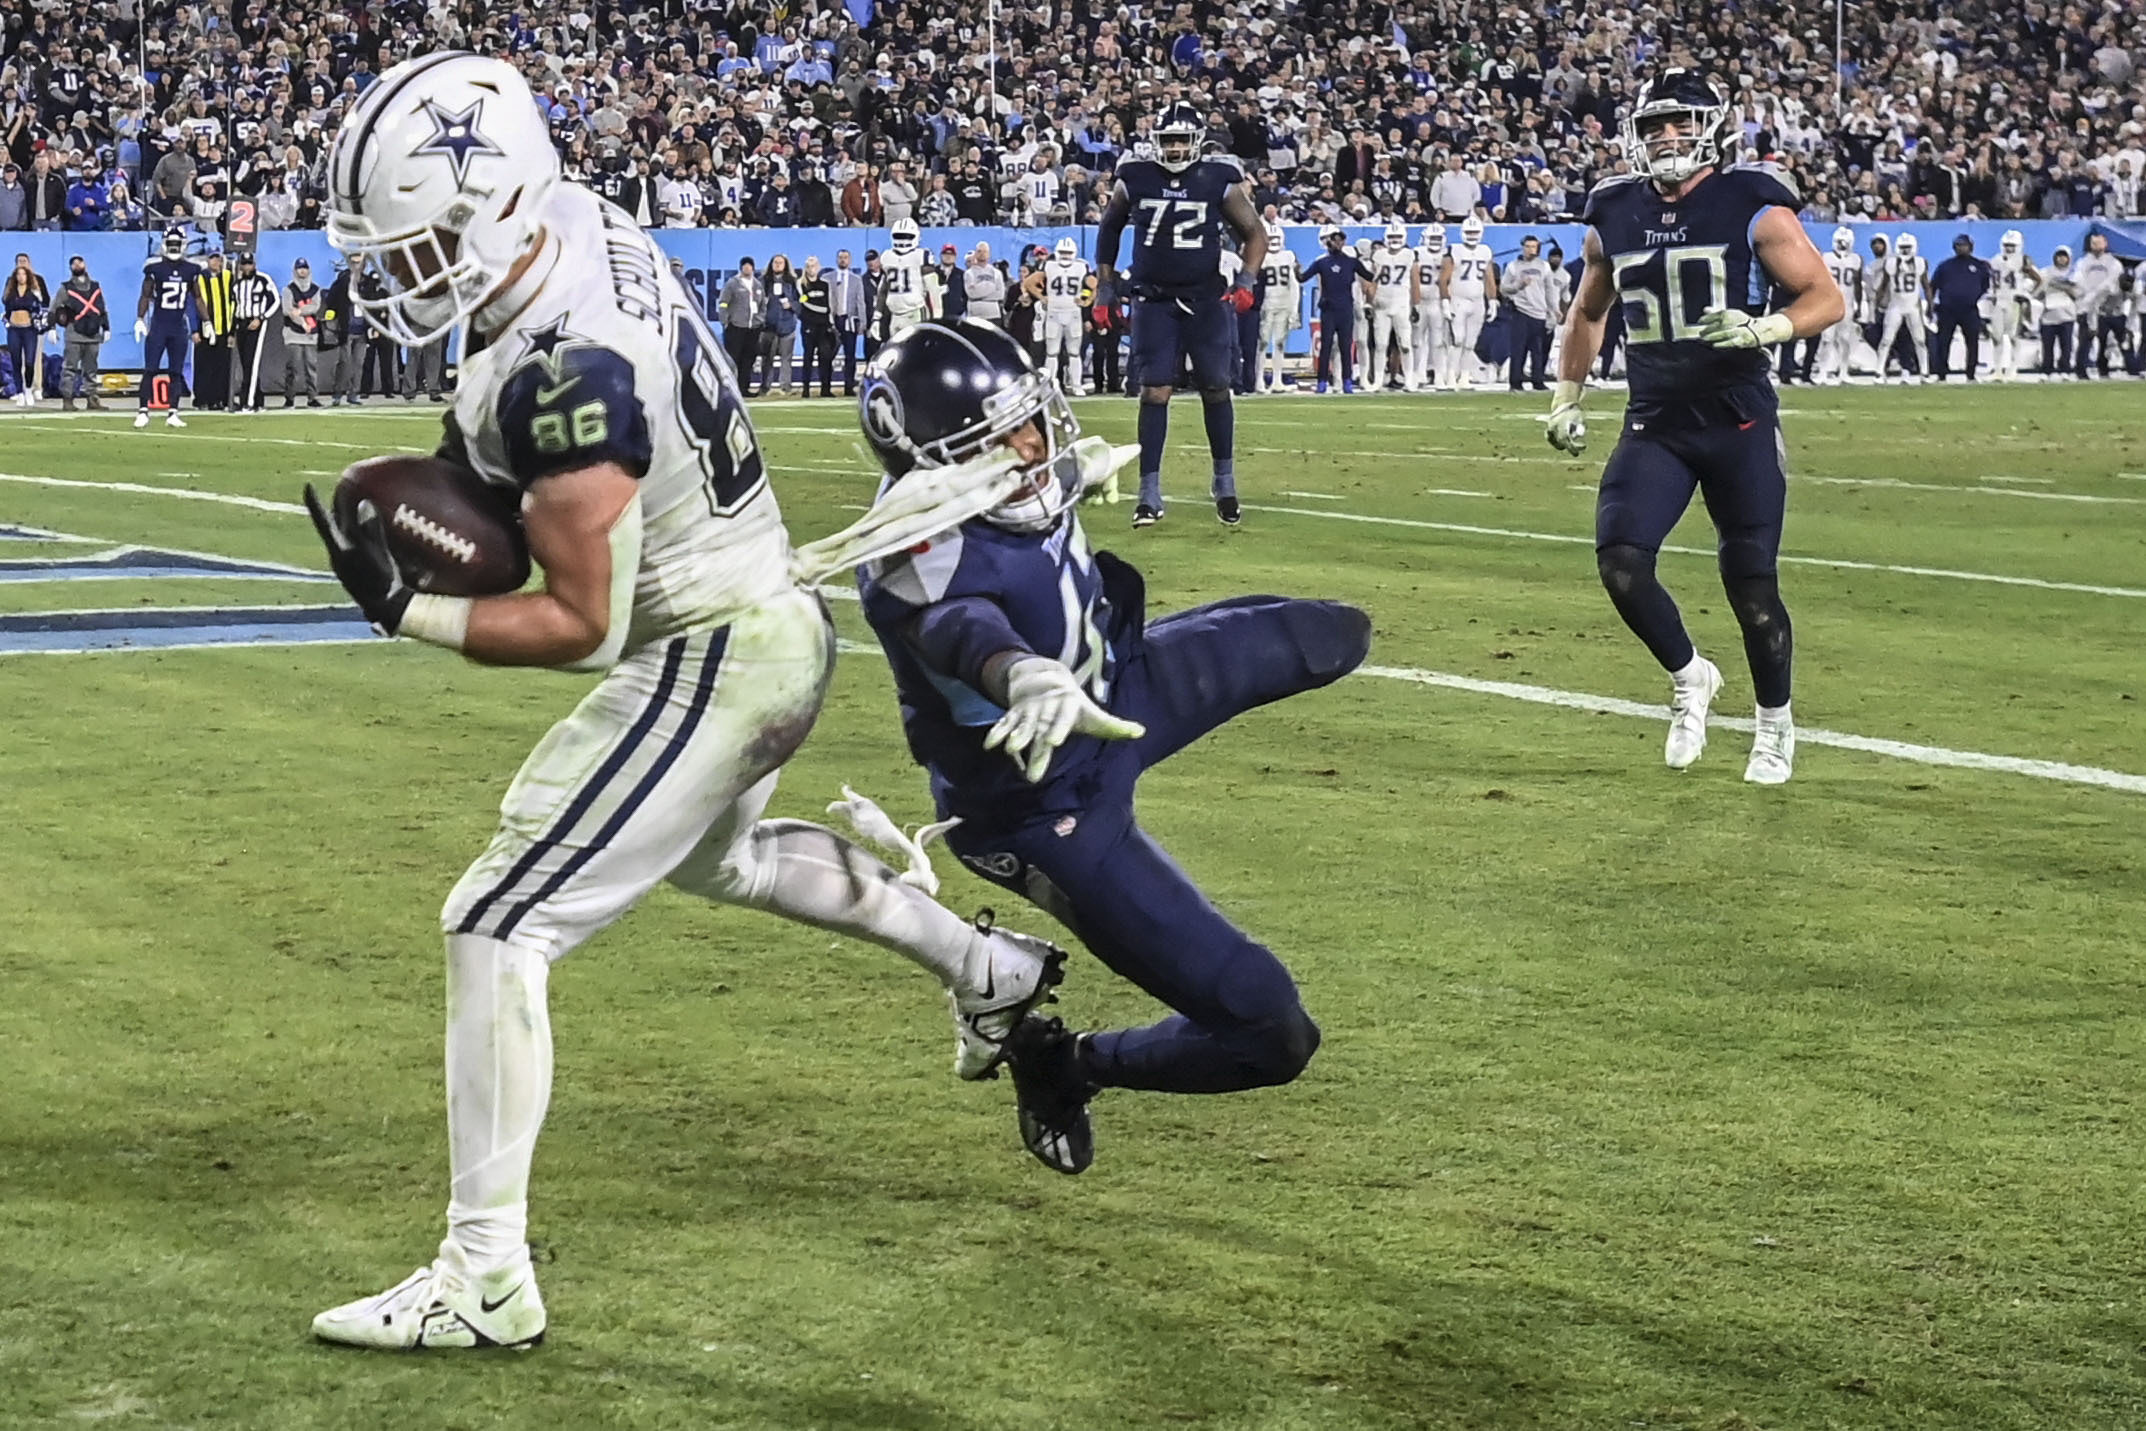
1734,328
1567,428
1044,705
141,329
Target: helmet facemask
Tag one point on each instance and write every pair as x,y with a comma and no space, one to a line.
1053,480
1671,158
1177,148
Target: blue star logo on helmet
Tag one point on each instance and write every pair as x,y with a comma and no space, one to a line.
455,134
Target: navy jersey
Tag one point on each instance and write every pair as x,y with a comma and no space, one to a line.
1671,261
1338,275
1176,223
168,289
943,610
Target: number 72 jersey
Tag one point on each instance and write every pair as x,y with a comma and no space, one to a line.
613,361
1671,262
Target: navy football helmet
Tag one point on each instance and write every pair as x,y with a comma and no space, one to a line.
1177,137
942,393
1700,112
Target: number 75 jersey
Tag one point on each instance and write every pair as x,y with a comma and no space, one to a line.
613,361
1670,263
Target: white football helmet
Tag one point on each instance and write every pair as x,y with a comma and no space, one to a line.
1434,238
902,235
1330,231
1277,237
1396,237
1906,246
2012,241
1363,248
436,185
1844,240
1067,250
1471,230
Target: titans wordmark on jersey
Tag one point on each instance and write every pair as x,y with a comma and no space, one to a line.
1672,261
613,362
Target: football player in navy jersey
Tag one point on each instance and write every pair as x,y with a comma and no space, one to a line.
1687,248
166,320
1177,205
1035,692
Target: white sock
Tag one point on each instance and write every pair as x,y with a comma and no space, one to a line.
1689,674
498,1086
1775,715
810,874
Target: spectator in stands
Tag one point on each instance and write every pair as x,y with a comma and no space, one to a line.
14,199
1456,193
860,199
88,199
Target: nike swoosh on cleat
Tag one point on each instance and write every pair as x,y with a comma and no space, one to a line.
488,1306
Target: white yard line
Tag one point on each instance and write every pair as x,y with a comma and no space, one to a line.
1805,735
117,414
1308,451
165,434
1839,565
190,494
1894,482
1315,496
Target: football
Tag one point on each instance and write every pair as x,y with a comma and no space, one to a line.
450,532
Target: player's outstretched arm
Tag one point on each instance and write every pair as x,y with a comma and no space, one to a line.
1585,322
584,529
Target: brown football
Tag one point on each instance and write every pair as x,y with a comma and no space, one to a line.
450,532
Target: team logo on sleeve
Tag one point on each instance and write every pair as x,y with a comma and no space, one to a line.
456,135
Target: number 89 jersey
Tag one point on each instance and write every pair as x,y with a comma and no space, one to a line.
612,361
1671,261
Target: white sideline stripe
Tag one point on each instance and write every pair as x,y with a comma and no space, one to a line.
1894,482
1316,496
1870,745
1834,563
258,504
119,418
1440,456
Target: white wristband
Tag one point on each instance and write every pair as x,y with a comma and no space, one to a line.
441,620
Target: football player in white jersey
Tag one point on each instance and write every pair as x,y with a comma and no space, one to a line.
1434,332
593,392
905,299
1395,291
1366,382
1065,276
2012,280
1281,306
1469,285
1836,348
1903,287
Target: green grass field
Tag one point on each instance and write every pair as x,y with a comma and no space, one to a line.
1647,1100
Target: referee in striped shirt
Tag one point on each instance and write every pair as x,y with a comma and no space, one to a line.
212,345
254,300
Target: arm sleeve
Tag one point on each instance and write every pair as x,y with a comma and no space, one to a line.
590,414
957,636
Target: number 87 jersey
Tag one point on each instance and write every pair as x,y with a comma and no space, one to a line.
1672,261
611,360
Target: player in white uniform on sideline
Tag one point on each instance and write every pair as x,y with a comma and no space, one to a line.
1903,287
592,387
1434,332
1836,347
1361,296
1064,276
2012,280
904,296
1281,306
1470,285
1395,290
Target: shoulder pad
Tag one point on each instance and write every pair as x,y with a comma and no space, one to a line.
572,409
1230,164
1767,183
1605,192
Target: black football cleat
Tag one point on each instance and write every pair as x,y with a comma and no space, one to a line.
1146,516
1051,1094
1227,509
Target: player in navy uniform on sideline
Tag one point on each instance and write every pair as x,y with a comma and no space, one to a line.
1177,204
166,319
1036,693
1687,248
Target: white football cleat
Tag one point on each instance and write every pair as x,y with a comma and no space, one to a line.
1020,972
1773,753
1687,716
141,417
172,419
443,1305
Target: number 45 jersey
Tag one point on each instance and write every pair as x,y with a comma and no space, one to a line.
1671,262
612,361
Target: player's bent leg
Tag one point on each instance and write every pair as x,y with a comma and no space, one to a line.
1219,415
1203,667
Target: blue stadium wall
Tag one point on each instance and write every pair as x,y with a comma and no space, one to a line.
711,255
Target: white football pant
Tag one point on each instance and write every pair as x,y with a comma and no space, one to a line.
1467,327
1836,349
1389,332
1275,326
900,322
1907,316
1061,344
2004,338
1433,336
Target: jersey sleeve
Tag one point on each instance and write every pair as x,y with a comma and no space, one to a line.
1600,197
1768,188
579,412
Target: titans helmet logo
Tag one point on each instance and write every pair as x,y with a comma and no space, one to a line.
456,135
883,416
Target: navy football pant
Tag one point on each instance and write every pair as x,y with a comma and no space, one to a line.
1337,325
1238,1022
1739,470
163,353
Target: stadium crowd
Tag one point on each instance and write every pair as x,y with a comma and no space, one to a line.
694,112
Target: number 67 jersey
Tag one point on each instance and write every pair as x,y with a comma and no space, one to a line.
611,360
1671,261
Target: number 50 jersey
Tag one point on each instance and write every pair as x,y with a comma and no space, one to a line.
1671,261
612,361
